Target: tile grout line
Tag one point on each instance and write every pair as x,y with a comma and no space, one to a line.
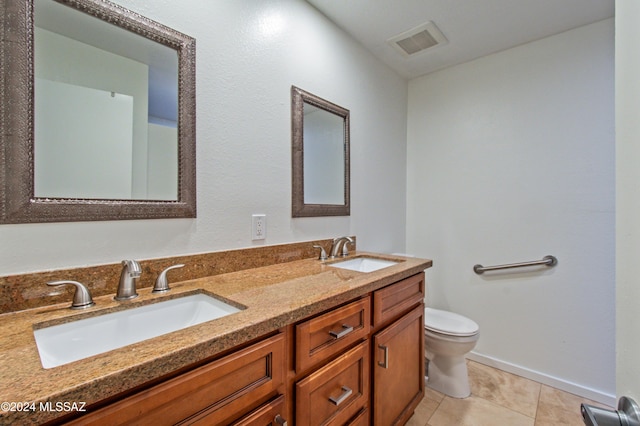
538,404
434,411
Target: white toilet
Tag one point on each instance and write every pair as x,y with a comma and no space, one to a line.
448,338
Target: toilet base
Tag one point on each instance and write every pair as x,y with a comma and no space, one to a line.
448,375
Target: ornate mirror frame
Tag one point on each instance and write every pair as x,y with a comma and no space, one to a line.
17,201
299,209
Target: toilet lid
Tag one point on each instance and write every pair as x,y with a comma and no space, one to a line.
449,323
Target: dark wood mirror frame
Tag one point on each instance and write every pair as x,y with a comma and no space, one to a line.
299,209
17,201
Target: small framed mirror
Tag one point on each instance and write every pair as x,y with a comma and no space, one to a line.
98,114
320,156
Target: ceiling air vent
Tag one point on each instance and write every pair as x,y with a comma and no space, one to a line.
418,39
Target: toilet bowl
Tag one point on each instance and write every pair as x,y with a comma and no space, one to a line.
448,338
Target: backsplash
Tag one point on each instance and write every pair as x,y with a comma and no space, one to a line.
25,291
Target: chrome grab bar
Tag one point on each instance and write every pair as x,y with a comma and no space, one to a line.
547,260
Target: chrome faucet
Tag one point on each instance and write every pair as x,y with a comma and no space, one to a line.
339,244
131,271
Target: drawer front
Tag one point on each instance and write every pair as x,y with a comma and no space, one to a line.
336,392
394,300
221,390
269,414
361,419
321,337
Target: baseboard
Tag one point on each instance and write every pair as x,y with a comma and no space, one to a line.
582,391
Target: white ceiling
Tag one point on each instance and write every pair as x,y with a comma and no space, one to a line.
474,28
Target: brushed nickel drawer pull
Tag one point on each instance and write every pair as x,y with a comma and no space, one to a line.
346,393
279,420
384,364
346,329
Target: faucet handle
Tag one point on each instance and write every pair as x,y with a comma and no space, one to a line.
345,249
162,283
81,298
323,253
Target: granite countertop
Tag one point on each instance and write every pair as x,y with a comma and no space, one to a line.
274,296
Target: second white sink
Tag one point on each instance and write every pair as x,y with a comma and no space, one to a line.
72,341
364,264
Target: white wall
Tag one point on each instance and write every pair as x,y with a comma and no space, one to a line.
323,140
249,54
511,158
627,198
83,142
162,169
62,59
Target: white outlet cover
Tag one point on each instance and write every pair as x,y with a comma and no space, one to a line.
258,227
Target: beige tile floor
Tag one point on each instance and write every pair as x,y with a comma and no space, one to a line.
499,398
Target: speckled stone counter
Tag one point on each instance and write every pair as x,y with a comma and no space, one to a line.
26,291
274,296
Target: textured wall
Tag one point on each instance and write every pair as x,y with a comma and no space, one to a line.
511,158
249,53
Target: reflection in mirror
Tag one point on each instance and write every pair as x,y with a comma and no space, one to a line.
97,135
320,132
109,132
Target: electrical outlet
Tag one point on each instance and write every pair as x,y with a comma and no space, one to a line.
258,226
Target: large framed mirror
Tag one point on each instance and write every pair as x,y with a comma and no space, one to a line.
98,114
320,156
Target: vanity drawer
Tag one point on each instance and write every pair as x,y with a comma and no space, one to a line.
336,392
361,419
270,414
322,337
220,391
392,301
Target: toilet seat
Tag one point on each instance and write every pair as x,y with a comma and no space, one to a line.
449,323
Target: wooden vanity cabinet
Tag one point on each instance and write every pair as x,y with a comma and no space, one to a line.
398,351
387,366
357,364
242,387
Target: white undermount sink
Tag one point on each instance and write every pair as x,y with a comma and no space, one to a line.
364,264
72,341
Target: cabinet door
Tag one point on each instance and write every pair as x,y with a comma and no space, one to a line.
336,392
398,366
